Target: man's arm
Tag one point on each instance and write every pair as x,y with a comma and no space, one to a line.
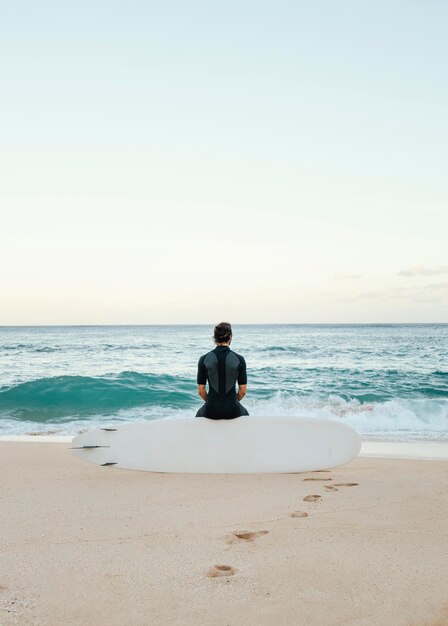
242,379
202,379
241,391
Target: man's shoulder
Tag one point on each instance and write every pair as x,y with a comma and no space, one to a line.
239,357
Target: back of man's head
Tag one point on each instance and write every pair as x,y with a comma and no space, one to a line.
222,332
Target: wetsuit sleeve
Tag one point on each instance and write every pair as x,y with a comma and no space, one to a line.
202,372
242,374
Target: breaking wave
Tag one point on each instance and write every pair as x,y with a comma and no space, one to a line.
66,404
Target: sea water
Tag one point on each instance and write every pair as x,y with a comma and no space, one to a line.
389,381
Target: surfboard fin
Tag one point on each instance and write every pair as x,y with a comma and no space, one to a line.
109,463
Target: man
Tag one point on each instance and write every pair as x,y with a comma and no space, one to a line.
222,368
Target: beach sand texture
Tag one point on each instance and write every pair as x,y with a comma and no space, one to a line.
86,545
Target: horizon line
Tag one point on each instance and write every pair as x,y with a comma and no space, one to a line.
233,324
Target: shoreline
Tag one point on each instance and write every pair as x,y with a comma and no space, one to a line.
424,450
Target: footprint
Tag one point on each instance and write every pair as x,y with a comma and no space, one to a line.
220,570
317,479
312,498
298,514
248,535
330,488
245,535
346,484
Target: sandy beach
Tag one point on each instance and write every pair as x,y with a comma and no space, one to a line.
81,544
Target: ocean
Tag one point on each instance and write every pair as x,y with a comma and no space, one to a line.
388,381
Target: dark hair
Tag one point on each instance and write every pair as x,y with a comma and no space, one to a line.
222,332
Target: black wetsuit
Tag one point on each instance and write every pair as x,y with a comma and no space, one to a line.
222,368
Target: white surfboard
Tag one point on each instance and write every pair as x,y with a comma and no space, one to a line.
243,445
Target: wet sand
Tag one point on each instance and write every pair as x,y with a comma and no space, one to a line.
364,544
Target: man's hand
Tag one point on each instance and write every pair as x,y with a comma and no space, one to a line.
241,391
202,392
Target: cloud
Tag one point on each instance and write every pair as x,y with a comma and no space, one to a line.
420,270
343,276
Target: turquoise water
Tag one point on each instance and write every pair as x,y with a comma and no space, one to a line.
388,381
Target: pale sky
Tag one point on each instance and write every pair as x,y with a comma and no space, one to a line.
192,162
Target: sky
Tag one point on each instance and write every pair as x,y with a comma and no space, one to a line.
197,161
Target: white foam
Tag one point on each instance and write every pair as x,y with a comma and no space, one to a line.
398,418
37,438
405,450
